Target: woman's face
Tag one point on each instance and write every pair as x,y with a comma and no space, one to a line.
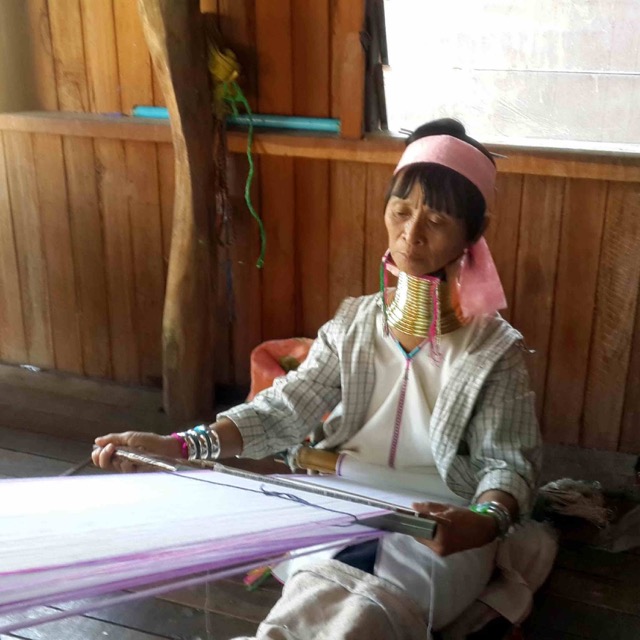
422,241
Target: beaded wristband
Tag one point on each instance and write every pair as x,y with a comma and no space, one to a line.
497,511
184,449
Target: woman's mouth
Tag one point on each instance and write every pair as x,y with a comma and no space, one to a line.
411,256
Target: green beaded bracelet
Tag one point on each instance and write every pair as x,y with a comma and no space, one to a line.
497,511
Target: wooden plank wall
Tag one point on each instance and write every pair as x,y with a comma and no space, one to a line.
85,226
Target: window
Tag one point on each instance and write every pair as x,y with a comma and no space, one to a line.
552,73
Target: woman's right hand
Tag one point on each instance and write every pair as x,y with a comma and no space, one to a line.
152,443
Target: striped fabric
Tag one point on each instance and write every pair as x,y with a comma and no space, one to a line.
483,427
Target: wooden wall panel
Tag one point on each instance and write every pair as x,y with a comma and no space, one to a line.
311,97
277,206
105,95
560,224
347,223
571,282
68,42
42,52
58,251
99,34
502,234
237,19
167,183
143,193
575,296
158,96
617,296
13,342
146,233
630,436
312,245
209,6
246,330
274,52
134,61
225,305
536,271
311,53
347,67
23,191
68,52
88,252
375,233
119,263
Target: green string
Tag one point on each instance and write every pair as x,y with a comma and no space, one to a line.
233,96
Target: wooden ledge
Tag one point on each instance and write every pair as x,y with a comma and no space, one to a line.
87,125
375,149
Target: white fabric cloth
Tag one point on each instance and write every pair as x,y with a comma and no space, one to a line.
332,601
448,585
425,485
442,587
401,560
413,455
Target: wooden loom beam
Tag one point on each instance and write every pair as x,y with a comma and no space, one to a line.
176,40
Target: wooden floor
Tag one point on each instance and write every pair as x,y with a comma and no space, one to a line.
47,424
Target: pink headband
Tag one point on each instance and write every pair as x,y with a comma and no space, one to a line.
480,290
455,154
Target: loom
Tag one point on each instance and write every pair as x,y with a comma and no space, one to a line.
91,537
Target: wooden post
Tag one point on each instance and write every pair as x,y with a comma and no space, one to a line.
348,67
176,39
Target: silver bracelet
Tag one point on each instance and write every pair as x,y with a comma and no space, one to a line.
193,446
202,443
210,449
497,511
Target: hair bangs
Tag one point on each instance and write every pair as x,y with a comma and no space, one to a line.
443,190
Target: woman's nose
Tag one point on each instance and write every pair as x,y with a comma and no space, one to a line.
414,231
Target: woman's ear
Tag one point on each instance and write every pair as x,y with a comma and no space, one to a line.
483,227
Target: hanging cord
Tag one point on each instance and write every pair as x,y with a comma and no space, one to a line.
224,68
233,96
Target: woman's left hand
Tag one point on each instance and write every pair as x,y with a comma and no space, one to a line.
457,528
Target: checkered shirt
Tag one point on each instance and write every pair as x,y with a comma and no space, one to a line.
484,432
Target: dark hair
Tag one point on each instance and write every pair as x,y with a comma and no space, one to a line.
443,189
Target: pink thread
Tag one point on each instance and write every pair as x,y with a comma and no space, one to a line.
399,411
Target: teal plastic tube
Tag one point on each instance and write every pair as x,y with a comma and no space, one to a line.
143,111
299,123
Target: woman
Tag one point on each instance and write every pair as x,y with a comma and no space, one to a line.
426,383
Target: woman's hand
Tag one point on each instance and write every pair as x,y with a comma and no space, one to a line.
152,443
458,528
